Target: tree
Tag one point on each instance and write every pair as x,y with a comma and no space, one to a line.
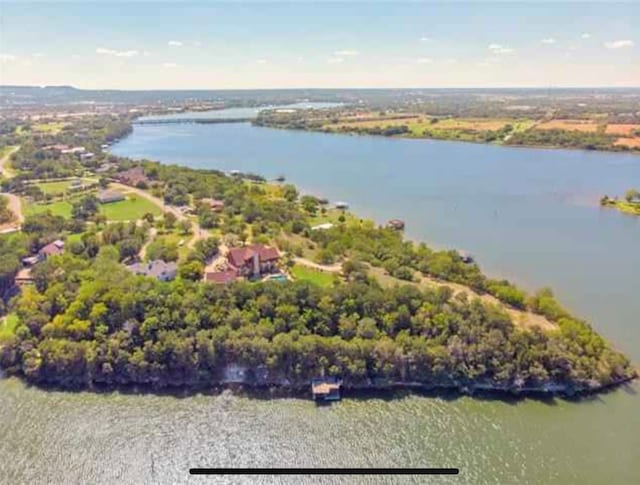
632,195
289,192
169,220
191,270
184,226
85,208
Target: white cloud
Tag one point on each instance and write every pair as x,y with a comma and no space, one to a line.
38,54
346,53
586,35
548,40
425,39
174,43
618,44
499,49
146,53
424,60
451,60
335,60
262,61
169,65
197,43
7,57
111,52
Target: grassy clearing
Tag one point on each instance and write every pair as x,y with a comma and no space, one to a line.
53,127
333,216
130,209
8,325
61,186
318,278
58,208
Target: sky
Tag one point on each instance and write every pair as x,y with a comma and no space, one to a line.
226,45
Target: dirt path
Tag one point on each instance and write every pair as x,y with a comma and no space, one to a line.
153,232
198,232
331,268
521,318
5,172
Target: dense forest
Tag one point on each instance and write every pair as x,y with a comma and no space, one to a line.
91,322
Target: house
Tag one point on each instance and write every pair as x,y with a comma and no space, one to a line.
54,248
322,227
253,260
341,205
56,148
76,184
223,277
108,196
214,204
133,176
23,277
396,224
157,269
74,150
326,389
86,156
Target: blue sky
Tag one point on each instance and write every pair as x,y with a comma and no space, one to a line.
213,45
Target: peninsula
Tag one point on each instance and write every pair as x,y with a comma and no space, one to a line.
138,273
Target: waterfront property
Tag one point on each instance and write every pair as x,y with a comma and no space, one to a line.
326,389
134,176
254,260
396,224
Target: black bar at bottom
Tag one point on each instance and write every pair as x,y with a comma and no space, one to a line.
324,471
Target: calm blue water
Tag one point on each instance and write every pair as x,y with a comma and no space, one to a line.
530,215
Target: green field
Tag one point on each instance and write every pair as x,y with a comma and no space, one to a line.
319,278
131,209
60,186
59,208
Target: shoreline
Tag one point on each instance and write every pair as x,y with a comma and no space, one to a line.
419,138
353,391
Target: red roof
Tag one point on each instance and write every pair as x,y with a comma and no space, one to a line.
238,257
222,277
52,249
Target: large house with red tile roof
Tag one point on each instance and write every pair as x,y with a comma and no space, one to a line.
133,176
253,260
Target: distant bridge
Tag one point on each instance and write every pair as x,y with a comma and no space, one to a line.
204,121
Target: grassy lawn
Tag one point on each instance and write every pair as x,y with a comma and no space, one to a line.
8,325
131,209
61,186
319,278
59,208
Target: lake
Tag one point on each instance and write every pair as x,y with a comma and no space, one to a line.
529,215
